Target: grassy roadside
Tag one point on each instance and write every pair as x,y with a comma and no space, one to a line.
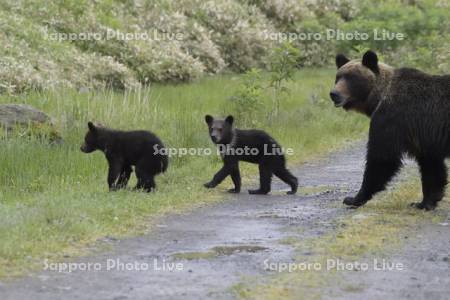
372,231
54,199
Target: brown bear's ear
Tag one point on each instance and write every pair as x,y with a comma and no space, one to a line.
370,60
209,119
92,127
229,119
341,60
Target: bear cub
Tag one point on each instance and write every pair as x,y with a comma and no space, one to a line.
253,146
124,149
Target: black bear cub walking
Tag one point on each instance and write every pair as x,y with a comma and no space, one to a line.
254,146
124,149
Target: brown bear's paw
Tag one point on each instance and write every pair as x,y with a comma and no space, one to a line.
234,191
258,192
423,205
354,202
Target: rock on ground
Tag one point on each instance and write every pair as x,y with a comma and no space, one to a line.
22,115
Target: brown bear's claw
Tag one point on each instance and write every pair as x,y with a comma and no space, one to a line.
422,205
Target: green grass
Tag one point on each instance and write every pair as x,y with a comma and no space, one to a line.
54,199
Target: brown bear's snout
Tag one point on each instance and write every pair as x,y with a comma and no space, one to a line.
336,98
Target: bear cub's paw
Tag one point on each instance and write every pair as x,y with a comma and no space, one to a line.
209,185
258,192
294,188
234,191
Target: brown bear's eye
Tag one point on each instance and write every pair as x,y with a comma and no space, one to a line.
337,79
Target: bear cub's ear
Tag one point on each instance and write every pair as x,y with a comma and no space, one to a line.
370,60
209,119
92,127
229,119
341,60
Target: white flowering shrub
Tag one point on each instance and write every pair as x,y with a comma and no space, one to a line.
239,30
29,60
346,9
199,37
196,39
286,12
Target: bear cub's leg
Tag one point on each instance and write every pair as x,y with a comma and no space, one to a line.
236,178
145,179
124,177
114,174
434,181
265,180
288,178
231,169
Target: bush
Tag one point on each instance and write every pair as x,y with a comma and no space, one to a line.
238,31
217,35
246,103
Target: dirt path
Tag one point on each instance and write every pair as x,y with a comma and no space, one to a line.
215,247
425,272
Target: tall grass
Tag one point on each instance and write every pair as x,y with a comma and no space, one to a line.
54,199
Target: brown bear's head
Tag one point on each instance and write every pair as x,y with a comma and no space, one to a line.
220,131
356,80
91,140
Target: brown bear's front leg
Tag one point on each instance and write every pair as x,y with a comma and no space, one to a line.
382,163
376,176
434,180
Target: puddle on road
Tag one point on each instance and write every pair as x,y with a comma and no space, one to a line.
294,212
229,250
194,255
219,251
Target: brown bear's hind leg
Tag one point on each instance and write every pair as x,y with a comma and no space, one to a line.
434,180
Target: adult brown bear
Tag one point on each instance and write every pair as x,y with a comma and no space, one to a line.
410,114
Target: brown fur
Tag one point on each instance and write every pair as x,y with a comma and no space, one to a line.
410,115
374,83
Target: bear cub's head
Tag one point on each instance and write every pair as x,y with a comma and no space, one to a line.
220,131
91,140
355,81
